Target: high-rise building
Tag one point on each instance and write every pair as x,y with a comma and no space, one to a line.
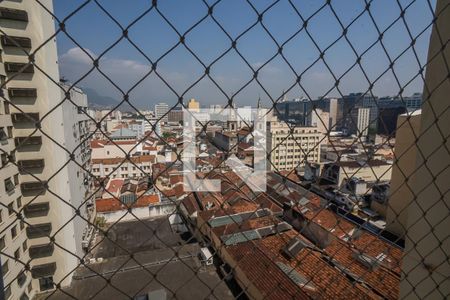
408,128
290,149
348,105
295,111
176,115
414,101
76,131
320,119
387,119
193,105
161,110
42,189
359,123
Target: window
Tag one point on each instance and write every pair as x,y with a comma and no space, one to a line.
9,186
13,231
1,215
46,283
5,268
39,230
16,179
24,297
10,134
7,292
21,279
36,209
24,246
2,243
3,136
4,158
17,254
22,225
6,108
11,208
19,202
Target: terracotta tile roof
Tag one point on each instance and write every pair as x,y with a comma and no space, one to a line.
97,144
354,164
245,225
149,148
380,278
174,179
118,160
190,204
329,282
114,185
114,204
263,273
120,142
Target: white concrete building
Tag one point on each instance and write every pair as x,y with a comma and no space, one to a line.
136,167
161,110
76,131
138,126
360,121
320,119
28,25
292,149
151,121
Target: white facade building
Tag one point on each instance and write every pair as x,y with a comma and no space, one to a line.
76,131
41,159
161,110
290,149
360,121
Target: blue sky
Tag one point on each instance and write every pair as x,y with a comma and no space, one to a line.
94,31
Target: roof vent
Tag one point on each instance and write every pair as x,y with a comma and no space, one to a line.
294,246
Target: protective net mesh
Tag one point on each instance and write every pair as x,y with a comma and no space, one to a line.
95,203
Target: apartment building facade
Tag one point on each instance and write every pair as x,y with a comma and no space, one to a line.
13,238
135,167
45,240
292,148
360,122
161,114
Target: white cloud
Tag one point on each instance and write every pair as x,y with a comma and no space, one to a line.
77,55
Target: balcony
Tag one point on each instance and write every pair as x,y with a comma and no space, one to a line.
25,141
33,187
21,118
39,251
13,14
24,68
44,270
39,230
22,92
34,210
15,41
30,165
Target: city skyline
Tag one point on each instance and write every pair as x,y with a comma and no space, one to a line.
125,66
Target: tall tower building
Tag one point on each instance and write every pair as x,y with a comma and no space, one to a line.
161,110
193,105
36,183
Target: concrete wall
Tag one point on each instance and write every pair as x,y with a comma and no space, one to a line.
426,266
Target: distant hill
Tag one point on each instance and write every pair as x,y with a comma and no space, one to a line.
99,101
104,102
